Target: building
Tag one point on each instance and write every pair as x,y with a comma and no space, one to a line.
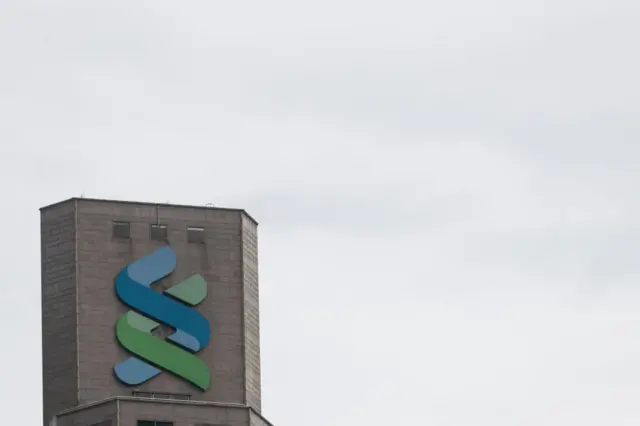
101,366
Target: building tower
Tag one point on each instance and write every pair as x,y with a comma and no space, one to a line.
150,315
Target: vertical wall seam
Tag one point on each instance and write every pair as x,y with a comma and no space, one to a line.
43,278
243,320
77,307
259,354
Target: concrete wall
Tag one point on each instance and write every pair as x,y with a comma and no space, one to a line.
127,411
58,281
78,245
219,260
182,414
251,314
102,414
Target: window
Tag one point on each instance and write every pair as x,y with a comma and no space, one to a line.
158,232
159,395
121,230
153,423
162,395
195,234
181,396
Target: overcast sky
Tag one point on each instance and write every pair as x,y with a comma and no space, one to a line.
447,191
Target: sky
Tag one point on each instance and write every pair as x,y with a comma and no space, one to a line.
445,190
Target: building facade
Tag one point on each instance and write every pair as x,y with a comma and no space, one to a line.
101,366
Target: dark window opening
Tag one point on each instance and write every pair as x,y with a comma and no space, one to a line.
161,395
180,396
121,230
195,234
158,232
153,423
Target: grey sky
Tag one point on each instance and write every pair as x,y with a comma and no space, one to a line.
446,190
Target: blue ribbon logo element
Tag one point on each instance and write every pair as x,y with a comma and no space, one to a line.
150,308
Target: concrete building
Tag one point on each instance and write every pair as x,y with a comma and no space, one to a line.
85,245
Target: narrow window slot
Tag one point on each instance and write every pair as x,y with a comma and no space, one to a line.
158,232
195,234
121,230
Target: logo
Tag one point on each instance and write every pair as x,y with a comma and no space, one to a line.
150,308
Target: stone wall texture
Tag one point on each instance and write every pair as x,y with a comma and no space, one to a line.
251,314
127,411
103,414
80,260
182,414
59,313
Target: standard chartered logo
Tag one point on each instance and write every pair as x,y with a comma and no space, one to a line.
174,307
